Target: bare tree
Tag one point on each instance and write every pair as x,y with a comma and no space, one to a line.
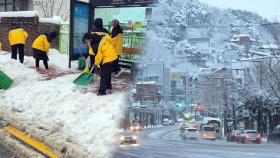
50,8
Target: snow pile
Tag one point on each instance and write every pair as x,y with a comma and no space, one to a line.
19,14
54,20
87,121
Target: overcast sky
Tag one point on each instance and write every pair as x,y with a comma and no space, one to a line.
267,8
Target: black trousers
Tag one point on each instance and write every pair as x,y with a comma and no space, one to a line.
44,61
18,49
116,67
106,76
40,55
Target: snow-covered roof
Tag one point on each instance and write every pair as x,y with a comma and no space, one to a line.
202,39
270,46
146,82
54,20
19,14
237,38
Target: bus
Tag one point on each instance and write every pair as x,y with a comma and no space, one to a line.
216,123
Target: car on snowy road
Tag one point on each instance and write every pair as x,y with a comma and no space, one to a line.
232,136
209,132
191,134
165,122
249,136
135,126
128,138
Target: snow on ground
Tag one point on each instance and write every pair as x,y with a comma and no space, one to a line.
57,112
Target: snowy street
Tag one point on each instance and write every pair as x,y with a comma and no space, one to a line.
165,143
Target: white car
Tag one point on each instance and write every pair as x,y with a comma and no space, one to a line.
128,138
165,122
191,134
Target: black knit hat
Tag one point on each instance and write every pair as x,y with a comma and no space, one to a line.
98,23
86,37
53,34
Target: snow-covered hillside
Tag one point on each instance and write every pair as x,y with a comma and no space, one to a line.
57,112
179,20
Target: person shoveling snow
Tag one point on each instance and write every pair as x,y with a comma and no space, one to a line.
41,46
105,57
56,113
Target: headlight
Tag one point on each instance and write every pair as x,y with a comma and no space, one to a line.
137,128
122,138
134,137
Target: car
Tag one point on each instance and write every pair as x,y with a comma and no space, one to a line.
135,126
128,138
209,132
180,121
191,134
274,137
165,122
171,122
232,137
249,136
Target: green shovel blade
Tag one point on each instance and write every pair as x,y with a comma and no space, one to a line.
84,79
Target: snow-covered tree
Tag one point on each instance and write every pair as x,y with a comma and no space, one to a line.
50,8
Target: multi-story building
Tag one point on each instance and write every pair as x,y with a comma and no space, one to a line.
151,88
16,5
192,89
213,86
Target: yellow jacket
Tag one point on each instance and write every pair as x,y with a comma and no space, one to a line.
41,43
117,43
17,36
90,50
106,52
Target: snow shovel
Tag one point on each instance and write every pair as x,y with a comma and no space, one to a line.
81,60
85,78
5,81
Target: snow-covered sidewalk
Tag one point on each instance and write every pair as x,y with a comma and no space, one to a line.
55,111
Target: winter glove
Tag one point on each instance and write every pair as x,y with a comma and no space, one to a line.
86,70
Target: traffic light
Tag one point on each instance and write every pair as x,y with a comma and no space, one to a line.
180,106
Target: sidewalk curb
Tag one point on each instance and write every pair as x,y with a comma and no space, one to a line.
25,139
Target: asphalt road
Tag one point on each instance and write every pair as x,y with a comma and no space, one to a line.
165,143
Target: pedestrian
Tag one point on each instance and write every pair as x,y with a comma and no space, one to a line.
105,57
99,32
88,39
41,46
17,38
99,28
117,42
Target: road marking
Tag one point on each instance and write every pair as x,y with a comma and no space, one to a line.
41,147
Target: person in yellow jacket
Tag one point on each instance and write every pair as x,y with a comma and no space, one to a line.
105,58
17,37
87,39
41,46
117,41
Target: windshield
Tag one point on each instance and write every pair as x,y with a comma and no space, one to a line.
192,130
208,129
